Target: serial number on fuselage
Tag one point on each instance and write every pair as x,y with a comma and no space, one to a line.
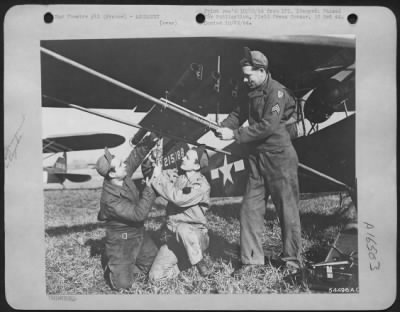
174,157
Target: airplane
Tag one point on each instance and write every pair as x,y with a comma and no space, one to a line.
207,78
54,145
187,85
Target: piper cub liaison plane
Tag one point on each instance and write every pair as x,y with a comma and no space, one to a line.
187,85
54,145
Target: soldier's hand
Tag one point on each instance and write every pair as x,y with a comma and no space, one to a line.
150,139
148,181
225,133
153,137
148,167
216,133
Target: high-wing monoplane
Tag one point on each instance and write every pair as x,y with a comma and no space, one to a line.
54,145
187,85
202,76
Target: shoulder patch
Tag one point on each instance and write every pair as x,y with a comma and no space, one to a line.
280,94
276,109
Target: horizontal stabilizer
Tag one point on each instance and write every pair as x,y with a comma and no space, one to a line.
54,177
76,177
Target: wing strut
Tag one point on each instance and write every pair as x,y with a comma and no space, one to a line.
217,88
326,177
128,123
164,104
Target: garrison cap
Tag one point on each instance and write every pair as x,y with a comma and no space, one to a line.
254,58
103,164
202,155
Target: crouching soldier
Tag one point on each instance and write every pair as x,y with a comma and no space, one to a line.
128,248
185,235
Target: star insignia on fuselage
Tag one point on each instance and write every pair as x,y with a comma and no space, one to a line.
226,171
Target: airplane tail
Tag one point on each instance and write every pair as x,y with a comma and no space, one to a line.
60,164
58,173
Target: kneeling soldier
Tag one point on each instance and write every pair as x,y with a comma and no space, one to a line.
185,233
128,248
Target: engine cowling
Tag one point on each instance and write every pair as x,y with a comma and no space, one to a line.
327,98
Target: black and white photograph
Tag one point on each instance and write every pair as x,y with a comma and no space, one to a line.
277,195
200,164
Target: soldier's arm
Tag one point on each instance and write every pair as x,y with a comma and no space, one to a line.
233,121
125,209
138,153
181,197
271,119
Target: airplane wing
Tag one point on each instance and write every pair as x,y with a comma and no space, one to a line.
185,70
79,142
173,124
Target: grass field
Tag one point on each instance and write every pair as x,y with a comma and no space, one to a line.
74,244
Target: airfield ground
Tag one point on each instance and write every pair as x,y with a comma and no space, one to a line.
74,244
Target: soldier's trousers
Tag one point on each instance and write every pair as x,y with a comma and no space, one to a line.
128,252
271,173
184,249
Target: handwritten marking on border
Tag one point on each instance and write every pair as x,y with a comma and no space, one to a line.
10,150
372,246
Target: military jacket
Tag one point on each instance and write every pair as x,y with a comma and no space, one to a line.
125,205
267,109
188,199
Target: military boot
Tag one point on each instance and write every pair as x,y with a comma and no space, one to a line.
203,268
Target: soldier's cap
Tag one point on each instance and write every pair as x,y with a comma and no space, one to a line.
103,164
254,58
202,155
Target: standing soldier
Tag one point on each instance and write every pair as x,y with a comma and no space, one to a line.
273,162
128,248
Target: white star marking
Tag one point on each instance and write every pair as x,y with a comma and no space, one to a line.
226,171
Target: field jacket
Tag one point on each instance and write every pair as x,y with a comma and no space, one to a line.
124,206
188,200
267,109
